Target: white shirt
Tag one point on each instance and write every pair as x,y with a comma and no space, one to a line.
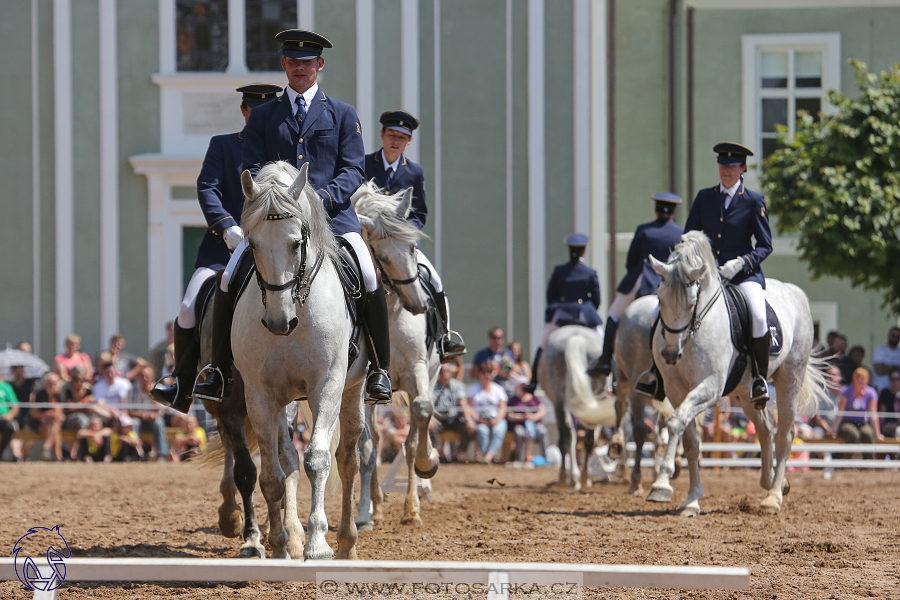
112,394
389,166
309,95
729,192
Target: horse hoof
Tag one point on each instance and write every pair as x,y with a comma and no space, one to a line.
365,526
231,522
636,490
426,474
770,505
660,494
252,552
325,553
413,520
785,487
690,511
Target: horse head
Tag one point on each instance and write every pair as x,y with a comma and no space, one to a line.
393,241
285,228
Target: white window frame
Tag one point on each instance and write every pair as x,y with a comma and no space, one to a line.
826,315
752,48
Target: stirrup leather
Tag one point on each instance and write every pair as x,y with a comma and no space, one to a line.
209,368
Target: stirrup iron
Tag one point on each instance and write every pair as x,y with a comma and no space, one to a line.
159,381
641,383
209,368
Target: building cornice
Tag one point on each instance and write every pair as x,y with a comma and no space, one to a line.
788,4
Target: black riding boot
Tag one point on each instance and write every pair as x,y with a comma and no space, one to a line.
375,323
219,370
187,353
652,385
451,344
759,391
532,385
603,365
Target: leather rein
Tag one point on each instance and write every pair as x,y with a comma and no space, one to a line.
302,281
694,324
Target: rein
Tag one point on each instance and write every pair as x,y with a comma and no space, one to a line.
302,281
694,324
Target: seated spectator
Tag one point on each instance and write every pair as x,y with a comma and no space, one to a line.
8,424
487,400
857,354
521,366
190,442
889,402
449,413
494,352
73,357
110,389
77,390
393,428
125,363
858,396
125,443
840,360
524,416
885,358
47,421
149,420
24,388
94,442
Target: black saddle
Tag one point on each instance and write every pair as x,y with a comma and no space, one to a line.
202,303
739,317
434,325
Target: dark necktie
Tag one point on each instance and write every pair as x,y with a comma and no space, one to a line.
723,198
301,108
390,175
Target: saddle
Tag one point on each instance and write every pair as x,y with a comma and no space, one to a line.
434,325
739,318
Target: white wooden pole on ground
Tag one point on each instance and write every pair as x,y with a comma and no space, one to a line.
403,572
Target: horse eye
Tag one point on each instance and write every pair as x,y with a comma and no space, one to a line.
296,244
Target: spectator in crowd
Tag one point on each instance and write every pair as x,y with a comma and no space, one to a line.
460,373
494,351
885,358
157,353
841,360
857,355
449,413
825,416
302,433
190,442
394,428
488,403
522,367
94,442
126,364
858,396
125,443
48,421
525,416
78,390
889,402
110,389
73,357
24,389
8,425
25,347
150,420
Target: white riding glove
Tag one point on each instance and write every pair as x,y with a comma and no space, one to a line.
731,268
233,236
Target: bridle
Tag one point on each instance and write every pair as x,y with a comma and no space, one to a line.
391,284
302,281
694,324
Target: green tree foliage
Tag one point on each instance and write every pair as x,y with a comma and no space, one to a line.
837,186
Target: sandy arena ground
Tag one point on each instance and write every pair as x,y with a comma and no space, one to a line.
833,539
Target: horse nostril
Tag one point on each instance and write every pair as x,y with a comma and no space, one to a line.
293,325
263,321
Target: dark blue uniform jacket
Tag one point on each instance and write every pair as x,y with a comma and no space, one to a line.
330,140
573,294
409,174
221,197
730,231
650,239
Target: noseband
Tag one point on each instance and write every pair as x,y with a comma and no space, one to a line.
302,281
694,324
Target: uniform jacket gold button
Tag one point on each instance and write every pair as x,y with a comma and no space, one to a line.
301,140
301,158
720,235
580,301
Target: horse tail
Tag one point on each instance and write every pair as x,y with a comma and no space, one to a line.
812,392
580,398
333,483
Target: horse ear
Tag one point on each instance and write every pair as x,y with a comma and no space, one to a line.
659,266
251,190
405,203
300,182
697,273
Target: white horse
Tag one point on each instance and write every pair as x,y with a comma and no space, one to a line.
563,377
414,367
300,351
693,349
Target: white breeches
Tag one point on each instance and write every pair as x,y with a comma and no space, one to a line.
756,300
552,326
370,281
435,278
186,317
617,308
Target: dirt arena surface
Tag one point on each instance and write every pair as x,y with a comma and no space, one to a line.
833,539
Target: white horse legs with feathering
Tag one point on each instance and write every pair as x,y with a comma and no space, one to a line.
695,363
291,341
414,367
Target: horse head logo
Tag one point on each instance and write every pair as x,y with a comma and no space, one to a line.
44,577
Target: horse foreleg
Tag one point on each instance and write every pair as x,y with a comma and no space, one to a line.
764,429
348,466
574,470
229,510
264,417
639,429
427,456
317,463
367,457
411,504
290,464
691,440
564,424
787,394
245,478
590,437
620,437
375,486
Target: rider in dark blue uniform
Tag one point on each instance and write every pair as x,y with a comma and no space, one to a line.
393,172
221,199
736,221
656,238
573,297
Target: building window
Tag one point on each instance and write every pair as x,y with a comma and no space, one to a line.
784,74
264,19
202,35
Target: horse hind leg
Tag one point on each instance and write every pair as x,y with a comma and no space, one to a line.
348,466
230,521
411,504
427,457
290,464
590,437
787,395
368,463
375,487
639,431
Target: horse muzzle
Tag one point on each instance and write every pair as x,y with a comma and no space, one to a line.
280,328
671,356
